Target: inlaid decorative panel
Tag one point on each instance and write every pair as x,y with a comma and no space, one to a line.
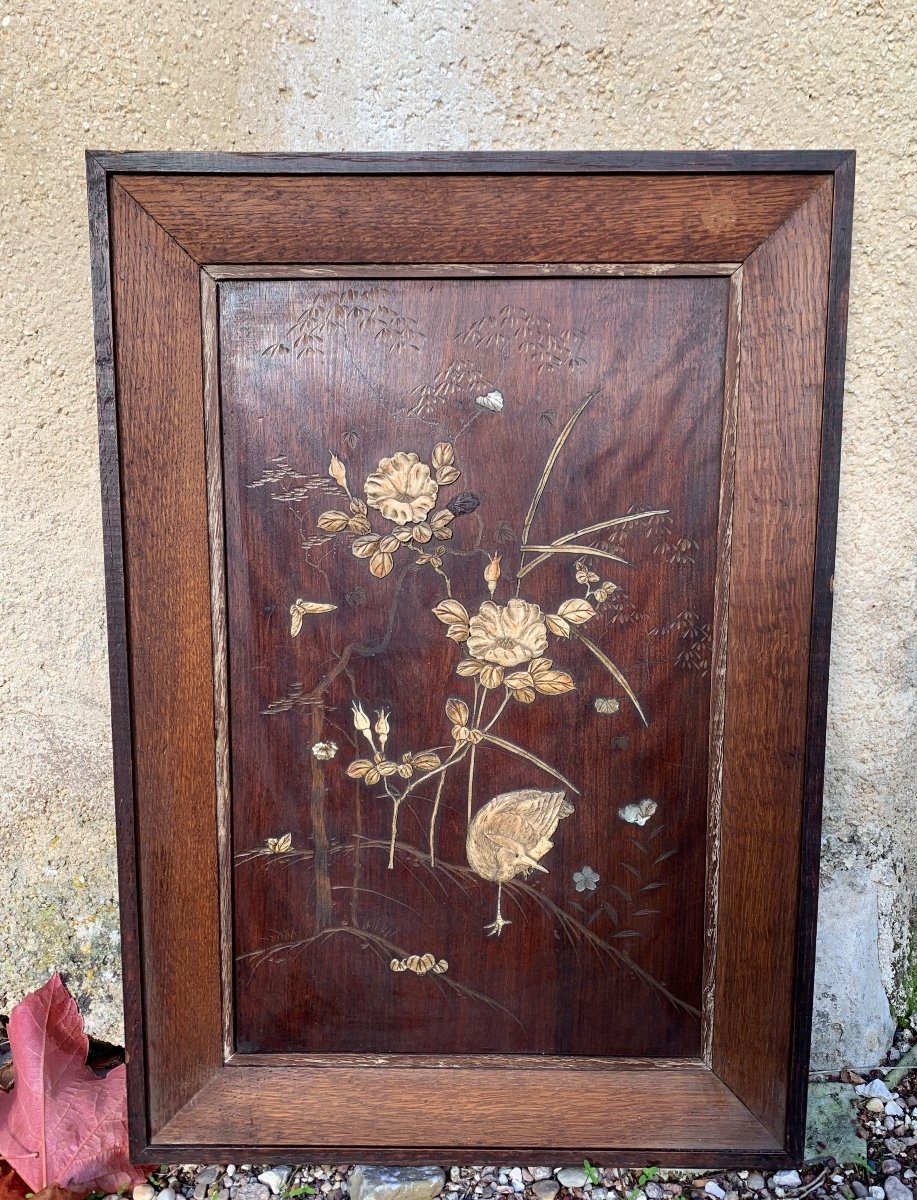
471,547
469,531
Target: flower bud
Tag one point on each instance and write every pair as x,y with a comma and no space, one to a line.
382,727
443,455
361,722
492,572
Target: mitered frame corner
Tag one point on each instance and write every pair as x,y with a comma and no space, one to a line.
153,229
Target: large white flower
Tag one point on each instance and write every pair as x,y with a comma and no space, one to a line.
507,636
402,488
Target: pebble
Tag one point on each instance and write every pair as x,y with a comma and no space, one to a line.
896,1190
540,1172
875,1089
653,1190
599,1193
572,1177
787,1179
875,1105
396,1183
249,1190
859,1190
275,1178
755,1181
877,1192
894,1109
167,1193
208,1175
545,1189
890,1166
144,1191
712,1188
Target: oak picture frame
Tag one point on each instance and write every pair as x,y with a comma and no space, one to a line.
166,230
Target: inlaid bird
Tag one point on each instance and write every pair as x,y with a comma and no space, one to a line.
509,835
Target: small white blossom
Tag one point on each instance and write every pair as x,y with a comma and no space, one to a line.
586,879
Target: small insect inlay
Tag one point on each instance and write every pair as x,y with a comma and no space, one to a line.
305,608
420,965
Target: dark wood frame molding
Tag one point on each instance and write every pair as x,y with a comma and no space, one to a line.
165,229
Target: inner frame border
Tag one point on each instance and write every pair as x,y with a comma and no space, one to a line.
214,274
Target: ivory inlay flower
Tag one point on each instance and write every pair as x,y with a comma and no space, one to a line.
402,489
507,636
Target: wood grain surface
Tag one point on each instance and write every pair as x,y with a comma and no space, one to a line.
784,301
523,1113
156,305
614,969
499,218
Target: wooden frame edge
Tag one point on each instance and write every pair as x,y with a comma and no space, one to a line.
118,661
155,1091
210,361
820,644
463,162
272,1088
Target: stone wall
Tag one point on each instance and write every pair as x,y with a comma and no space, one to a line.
514,74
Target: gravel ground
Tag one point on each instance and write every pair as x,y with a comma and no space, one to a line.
884,1167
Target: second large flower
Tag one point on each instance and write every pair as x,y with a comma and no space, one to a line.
507,636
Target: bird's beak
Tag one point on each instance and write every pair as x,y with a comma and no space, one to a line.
530,862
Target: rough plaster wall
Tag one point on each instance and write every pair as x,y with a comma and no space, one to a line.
521,74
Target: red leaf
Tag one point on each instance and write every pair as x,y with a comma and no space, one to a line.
61,1124
12,1186
53,1192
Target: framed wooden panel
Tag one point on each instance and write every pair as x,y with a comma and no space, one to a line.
469,537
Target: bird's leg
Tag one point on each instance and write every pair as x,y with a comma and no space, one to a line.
497,926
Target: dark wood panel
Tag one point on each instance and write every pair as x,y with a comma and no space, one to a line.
372,370
784,304
499,218
156,301
519,1111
